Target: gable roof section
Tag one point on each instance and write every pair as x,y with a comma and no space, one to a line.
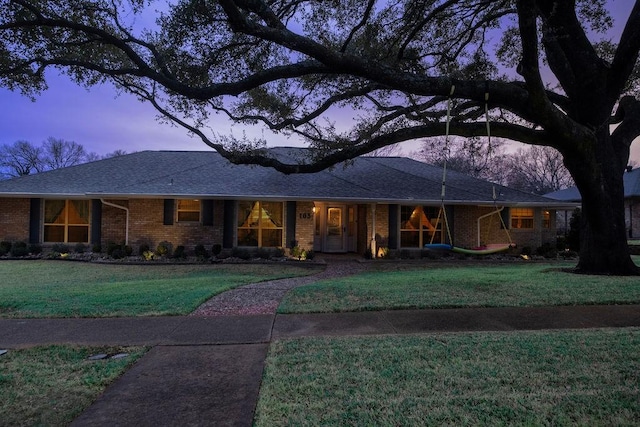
631,182
192,174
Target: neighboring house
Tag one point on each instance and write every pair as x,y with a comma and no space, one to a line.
631,200
191,198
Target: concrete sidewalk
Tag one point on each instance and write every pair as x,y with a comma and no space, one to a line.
260,329
207,371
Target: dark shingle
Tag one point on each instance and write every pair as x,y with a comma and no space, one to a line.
208,174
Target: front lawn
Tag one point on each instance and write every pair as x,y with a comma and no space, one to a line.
50,386
499,378
76,289
485,285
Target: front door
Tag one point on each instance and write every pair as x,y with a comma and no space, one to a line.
335,236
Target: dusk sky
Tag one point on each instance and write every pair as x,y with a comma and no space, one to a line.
102,122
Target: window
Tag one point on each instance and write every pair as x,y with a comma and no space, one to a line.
521,218
546,219
188,210
66,221
418,225
260,224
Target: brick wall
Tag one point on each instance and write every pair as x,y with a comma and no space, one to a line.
14,219
146,225
304,225
491,231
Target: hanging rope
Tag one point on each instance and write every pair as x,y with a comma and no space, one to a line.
498,211
442,213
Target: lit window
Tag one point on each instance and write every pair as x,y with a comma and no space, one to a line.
260,224
188,210
66,221
521,218
420,226
546,219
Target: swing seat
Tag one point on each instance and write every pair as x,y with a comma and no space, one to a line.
438,246
492,248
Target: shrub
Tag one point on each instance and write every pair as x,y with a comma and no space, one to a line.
164,248
310,254
296,252
19,249
35,249
80,248
5,247
148,255
61,248
569,254
201,252
128,250
404,254
111,247
180,252
216,249
96,248
241,253
277,252
142,249
118,253
547,250
263,253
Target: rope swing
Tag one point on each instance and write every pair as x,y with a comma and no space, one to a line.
442,213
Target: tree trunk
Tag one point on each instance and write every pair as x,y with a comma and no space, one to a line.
603,234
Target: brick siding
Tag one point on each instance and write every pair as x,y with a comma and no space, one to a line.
305,223
14,219
146,225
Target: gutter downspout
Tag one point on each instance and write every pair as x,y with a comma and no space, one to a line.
126,231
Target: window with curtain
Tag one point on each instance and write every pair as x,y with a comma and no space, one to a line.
522,218
546,219
188,210
418,225
260,223
66,221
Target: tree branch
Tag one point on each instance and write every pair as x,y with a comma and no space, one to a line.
626,55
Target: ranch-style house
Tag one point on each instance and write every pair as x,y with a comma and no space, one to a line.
190,198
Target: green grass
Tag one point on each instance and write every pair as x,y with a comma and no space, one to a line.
517,378
50,386
74,289
515,284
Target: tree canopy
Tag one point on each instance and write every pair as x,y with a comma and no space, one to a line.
351,77
289,64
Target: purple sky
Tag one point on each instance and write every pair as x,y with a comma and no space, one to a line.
103,122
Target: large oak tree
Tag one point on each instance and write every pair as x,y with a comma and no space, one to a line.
390,65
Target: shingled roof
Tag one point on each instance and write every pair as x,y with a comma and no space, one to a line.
193,174
631,182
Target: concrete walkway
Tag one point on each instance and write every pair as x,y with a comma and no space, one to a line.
208,370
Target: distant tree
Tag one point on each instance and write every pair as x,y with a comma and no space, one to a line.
18,159
388,151
473,156
115,153
23,157
537,170
58,153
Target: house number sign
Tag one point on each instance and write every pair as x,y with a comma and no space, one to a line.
305,215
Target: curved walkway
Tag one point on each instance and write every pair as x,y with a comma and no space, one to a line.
206,369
